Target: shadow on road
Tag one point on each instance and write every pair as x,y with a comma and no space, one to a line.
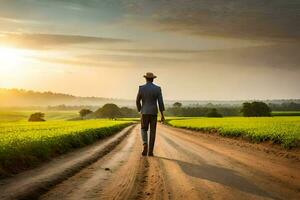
220,175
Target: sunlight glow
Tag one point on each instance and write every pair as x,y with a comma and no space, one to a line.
11,60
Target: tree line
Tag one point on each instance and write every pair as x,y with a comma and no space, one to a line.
291,106
199,111
248,109
253,109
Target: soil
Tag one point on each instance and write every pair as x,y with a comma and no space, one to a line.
186,165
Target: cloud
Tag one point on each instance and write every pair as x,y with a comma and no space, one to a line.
83,62
280,56
277,56
18,21
46,41
155,51
246,19
275,20
112,60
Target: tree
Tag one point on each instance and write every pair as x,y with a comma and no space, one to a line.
247,109
261,109
177,105
37,117
113,111
213,113
84,112
256,109
129,112
110,110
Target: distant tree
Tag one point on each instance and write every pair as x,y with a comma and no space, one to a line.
256,109
128,112
209,105
176,109
213,113
110,110
84,112
247,109
37,117
177,105
261,109
113,111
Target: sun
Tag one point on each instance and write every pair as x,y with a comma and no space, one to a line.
10,60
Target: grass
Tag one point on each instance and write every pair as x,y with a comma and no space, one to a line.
282,130
25,144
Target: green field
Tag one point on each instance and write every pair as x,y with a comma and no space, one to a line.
25,144
13,115
282,130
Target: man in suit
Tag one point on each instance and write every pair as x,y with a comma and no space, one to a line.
150,94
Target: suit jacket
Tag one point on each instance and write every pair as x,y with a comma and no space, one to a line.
150,95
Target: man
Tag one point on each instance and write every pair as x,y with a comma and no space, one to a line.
150,95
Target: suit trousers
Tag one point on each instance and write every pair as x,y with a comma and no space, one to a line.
146,121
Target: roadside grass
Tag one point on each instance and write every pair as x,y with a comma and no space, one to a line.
133,119
281,130
23,145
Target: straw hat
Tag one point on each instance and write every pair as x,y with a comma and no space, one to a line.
149,75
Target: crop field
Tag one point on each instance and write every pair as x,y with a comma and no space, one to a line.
282,130
24,144
10,115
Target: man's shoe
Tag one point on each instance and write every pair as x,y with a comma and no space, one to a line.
144,153
150,154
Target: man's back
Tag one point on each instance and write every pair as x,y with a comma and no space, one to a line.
149,94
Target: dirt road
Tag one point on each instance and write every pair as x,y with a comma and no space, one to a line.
185,166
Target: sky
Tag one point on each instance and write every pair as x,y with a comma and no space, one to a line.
199,49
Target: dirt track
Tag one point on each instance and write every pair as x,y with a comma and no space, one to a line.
185,166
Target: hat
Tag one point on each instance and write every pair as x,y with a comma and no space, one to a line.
149,75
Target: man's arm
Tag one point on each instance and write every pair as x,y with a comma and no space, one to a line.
138,100
162,116
161,105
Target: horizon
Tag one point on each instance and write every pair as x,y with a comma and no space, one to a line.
184,100
238,49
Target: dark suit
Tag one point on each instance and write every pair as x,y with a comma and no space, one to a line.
150,95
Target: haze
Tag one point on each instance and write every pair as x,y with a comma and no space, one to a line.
199,49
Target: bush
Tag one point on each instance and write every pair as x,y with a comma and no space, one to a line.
256,109
37,117
213,113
